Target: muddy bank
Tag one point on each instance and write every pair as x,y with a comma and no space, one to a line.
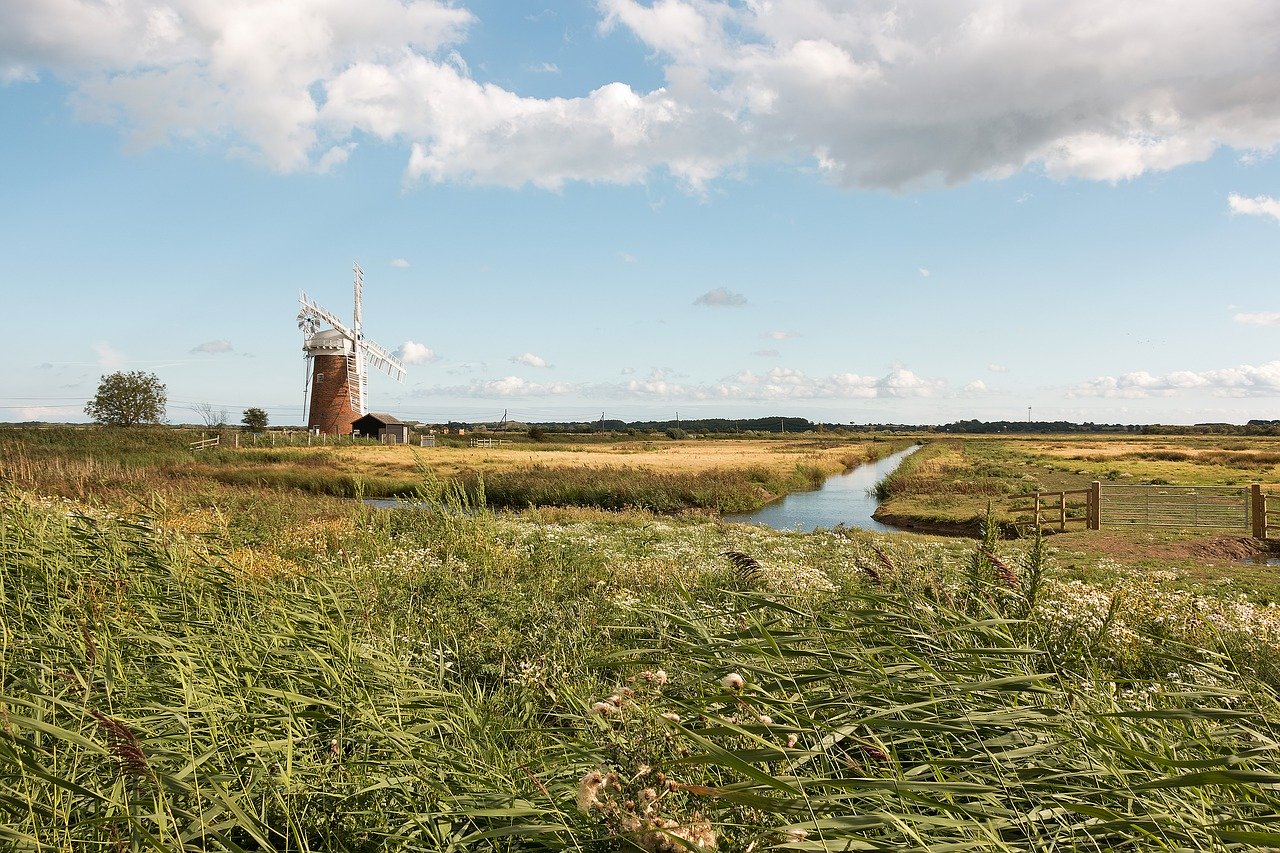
911,524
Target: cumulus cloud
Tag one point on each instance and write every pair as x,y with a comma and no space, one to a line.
1260,205
1242,381
780,384
997,368
874,94
627,371
248,75
783,384
977,386
721,298
1265,318
507,386
212,347
924,273
400,263
780,335
411,352
109,358
529,360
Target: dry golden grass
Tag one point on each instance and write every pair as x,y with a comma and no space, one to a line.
695,456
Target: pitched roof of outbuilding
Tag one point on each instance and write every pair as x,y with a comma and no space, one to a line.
383,418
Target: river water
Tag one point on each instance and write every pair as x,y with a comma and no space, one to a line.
843,499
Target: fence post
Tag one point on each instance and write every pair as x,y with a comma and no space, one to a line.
1062,512
1259,514
1095,505
1037,510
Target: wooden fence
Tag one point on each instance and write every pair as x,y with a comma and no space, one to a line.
1228,508
206,443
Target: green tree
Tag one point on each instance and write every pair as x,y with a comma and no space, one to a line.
128,399
254,418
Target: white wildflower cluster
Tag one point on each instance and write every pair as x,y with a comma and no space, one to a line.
406,561
1134,614
539,672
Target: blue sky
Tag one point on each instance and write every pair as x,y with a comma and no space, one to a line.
853,212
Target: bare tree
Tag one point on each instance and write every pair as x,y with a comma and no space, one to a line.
212,417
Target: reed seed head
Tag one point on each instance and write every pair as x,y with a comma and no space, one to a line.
588,791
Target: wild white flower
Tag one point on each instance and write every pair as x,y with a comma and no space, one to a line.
733,682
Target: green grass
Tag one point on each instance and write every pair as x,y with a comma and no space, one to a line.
451,678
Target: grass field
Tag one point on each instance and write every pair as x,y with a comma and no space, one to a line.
192,664
667,476
952,480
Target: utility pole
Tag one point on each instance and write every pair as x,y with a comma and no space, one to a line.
1028,414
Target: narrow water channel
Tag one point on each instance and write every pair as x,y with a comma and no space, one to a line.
843,499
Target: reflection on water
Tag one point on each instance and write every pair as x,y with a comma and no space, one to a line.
843,499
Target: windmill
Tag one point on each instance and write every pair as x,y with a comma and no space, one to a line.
339,358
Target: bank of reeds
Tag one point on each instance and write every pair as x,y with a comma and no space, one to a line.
430,680
726,491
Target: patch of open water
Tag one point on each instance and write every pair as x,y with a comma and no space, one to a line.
843,499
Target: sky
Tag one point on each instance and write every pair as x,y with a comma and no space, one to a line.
855,212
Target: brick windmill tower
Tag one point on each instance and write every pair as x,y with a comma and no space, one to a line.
340,357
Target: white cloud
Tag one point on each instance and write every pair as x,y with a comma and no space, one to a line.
782,384
508,386
244,74
400,263
627,371
977,386
997,368
721,298
212,347
545,68
530,360
780,335
876,95
924,273
1265,318
109,358
411,352
17,74
1242,381
48,413
627,257
1260,205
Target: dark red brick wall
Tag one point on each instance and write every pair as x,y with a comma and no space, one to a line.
330,410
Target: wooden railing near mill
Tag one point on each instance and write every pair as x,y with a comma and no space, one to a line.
1243,509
